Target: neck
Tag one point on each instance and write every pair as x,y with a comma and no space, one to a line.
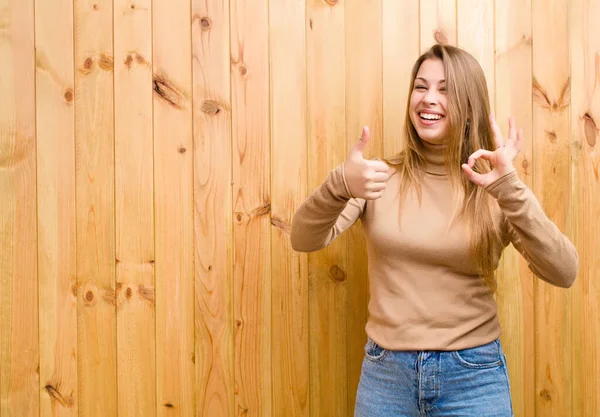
434,158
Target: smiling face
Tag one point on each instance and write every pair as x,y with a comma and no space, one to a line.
428,102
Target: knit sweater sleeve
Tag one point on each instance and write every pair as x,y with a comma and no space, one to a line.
549,253
326,213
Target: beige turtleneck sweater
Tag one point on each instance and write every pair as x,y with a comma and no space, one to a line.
425,293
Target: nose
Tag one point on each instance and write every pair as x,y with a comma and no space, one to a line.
430,97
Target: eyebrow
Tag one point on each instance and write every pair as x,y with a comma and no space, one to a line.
425,80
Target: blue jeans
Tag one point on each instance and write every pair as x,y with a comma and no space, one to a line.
470,382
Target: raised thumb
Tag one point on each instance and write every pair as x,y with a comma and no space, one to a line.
359,148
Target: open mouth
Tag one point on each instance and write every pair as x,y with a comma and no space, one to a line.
430,117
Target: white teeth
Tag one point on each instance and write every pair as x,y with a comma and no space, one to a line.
430,116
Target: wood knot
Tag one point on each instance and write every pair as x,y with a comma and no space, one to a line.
210,107
551,135
243,70
88,64
165,90
525,164
132,6
239,217
89,296
440,36
337,274
128,60
68,95
182,150
128,292
105,62
205,23
590,130
95,6
169,405
545,394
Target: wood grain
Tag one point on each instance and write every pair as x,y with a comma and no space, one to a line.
400,50
57,247
95,188
364,106
213,225
289,308
252,207
552,185
19,344
438,20
515,280
475,23
328,268
585,203
173,208
134,193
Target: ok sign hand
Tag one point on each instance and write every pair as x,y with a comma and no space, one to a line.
501,159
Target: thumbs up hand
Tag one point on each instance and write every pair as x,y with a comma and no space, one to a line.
365,178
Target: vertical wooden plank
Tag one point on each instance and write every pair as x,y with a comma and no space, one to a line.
94,136
173,207
213,209
134,208
327,146
475,23
57,250
551,184
19,354
515,280
585,205
287,43
400,49
364,106
437,23
252,206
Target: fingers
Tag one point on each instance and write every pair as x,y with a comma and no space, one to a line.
498,140
374,195
519,144
512,130
473,176
380,177
481,153
378,166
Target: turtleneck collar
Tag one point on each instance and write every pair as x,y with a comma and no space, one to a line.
434,157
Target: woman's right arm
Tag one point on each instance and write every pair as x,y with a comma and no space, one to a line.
325,214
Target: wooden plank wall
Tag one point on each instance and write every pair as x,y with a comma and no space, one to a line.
152,154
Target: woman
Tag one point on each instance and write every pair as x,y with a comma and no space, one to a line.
436,219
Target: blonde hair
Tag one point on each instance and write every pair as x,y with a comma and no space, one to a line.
468,130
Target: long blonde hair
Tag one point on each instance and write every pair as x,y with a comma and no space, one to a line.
468,130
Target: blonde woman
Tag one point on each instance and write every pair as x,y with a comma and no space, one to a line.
436,218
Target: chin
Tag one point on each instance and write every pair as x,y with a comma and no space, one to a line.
431,137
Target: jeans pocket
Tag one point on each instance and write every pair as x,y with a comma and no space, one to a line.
481,357
374,352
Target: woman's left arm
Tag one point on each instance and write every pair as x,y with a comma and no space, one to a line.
551,256
549,253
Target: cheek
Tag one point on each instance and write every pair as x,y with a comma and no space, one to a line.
414,101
